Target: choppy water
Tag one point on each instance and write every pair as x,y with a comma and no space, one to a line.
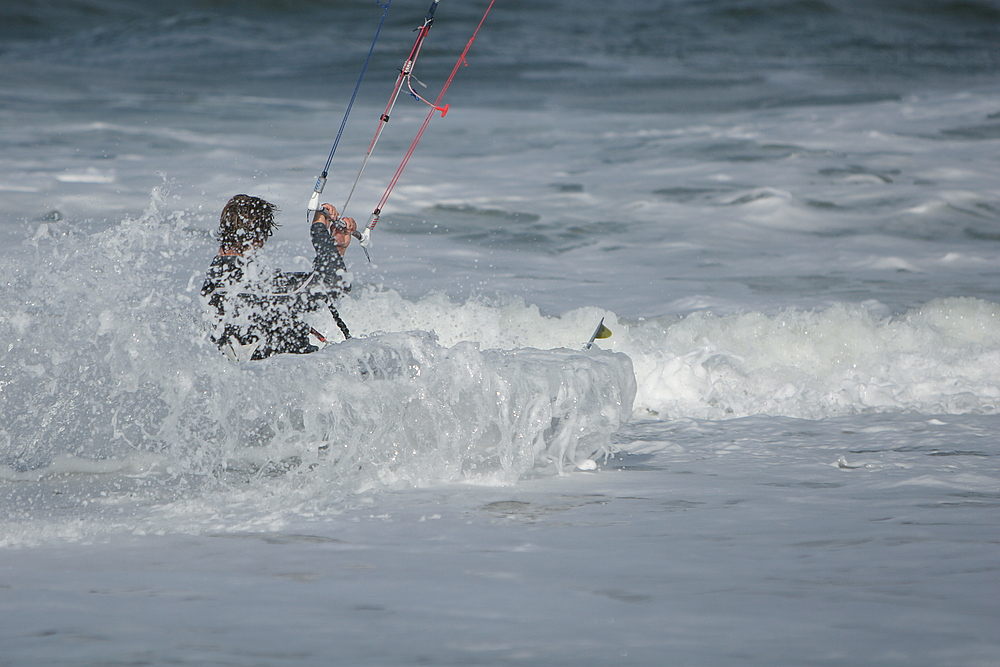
786,211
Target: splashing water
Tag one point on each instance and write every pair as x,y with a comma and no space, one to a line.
107,372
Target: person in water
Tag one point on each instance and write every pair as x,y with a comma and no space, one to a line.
256,314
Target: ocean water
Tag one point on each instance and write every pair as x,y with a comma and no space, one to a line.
786,211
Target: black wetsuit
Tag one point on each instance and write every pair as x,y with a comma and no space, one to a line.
262,315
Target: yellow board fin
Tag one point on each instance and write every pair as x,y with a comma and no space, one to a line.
600,332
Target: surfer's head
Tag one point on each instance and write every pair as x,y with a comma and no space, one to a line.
246,223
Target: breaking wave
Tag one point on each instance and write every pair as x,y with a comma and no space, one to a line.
112,395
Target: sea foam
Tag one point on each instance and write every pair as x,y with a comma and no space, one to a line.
107,357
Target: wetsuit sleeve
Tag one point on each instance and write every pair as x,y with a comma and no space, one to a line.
329,263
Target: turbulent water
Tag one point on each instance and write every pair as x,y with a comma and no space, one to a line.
786,211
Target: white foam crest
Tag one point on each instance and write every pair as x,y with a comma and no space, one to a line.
506,324
941,358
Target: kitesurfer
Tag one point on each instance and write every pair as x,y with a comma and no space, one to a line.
255,314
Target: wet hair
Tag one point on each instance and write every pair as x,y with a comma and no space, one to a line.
245,222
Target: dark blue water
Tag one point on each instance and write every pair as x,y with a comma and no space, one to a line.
615,54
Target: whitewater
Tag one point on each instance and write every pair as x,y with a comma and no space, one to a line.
787,213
